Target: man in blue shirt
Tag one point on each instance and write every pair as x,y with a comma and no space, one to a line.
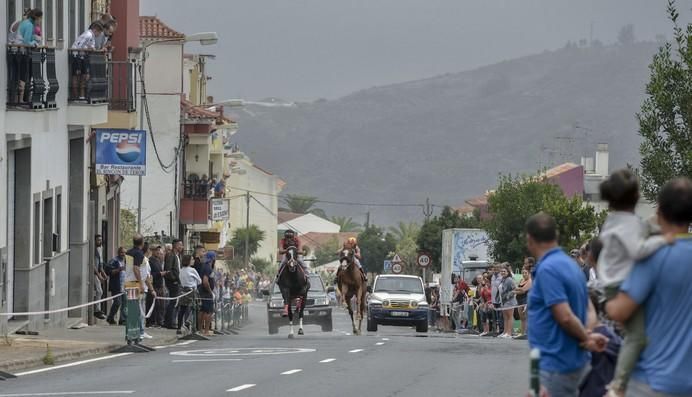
558,303
662,283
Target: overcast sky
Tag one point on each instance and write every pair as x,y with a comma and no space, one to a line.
309,49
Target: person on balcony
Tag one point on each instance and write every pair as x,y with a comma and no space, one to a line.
25,36
80,59
103,42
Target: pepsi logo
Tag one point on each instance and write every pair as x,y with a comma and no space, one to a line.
128,152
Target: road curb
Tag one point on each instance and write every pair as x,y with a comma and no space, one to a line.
18,365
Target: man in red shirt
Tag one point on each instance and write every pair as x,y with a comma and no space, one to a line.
290,240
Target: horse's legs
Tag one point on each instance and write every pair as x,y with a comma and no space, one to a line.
290,321
300,314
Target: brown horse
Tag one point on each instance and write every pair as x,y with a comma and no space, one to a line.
351,284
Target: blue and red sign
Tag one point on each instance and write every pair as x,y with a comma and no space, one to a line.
121,152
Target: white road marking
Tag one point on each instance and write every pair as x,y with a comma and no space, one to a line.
206,360
242,387
184,343
328,360
355,351
385,338
379,343
71,393
291,372
241,352
91,360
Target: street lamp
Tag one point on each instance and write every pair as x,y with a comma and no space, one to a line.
204,38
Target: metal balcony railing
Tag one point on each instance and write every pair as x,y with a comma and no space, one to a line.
122,76
197,189
88,76
31,77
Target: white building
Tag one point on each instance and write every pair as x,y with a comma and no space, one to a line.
163,83
264,188
47,216
596,170
306,223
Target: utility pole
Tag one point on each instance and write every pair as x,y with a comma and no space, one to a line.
427,209
367,219
247,229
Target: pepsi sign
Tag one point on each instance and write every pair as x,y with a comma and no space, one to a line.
121,152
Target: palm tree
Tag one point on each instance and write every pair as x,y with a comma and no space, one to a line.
302,205
347,224
405,231
255,237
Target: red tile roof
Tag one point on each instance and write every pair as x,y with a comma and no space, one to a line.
154,28
560,169
287,216
200,112
316,240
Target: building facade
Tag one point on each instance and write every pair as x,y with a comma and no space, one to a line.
48,214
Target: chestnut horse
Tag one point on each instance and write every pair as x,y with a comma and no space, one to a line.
351,284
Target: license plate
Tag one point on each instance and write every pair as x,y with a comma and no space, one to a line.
399,314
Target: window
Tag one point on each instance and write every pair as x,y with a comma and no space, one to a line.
37,231
48,227
58,219
81,16
60,25
50,15
71,19
11,12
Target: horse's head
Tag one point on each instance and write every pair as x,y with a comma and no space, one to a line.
292,258
346,258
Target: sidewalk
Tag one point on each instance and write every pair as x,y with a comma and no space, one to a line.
68,344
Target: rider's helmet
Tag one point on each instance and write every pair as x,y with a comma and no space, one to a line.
353,241
289,233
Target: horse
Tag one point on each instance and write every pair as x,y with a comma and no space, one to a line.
294,285
351,284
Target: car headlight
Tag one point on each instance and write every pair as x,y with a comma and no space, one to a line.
275,304
322,301
385,303
422,304
413,304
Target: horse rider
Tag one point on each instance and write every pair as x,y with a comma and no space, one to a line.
290,240
352,244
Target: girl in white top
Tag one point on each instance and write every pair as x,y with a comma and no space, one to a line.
189,278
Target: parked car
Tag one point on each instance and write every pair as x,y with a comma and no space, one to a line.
317,310
397,300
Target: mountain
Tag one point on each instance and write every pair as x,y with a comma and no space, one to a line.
449,137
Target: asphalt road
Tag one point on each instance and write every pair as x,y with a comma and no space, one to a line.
392,362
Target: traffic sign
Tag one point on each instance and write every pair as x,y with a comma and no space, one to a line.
397,268
396,259
423,260
387,266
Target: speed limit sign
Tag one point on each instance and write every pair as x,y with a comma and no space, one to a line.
397,268
423,260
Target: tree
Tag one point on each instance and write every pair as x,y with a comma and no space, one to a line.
375,246
405,231
429,238
302,205
327,252
665,119
346,224
626,35
128,227
517,198
262,265
256,236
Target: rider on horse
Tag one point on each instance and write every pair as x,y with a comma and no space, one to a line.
352,244
290,240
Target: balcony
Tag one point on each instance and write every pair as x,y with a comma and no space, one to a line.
122,76
194,205
88,87
31,79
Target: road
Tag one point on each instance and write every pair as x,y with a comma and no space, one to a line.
392,362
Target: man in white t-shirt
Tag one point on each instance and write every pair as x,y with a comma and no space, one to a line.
80,59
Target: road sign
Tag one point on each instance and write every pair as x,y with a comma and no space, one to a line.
387,266
397,268
423,260
396,259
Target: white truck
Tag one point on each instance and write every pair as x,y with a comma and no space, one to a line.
464,252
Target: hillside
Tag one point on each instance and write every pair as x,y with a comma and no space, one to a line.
448,137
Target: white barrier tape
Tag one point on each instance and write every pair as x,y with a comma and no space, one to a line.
502,309
64,309
151,310
163,298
